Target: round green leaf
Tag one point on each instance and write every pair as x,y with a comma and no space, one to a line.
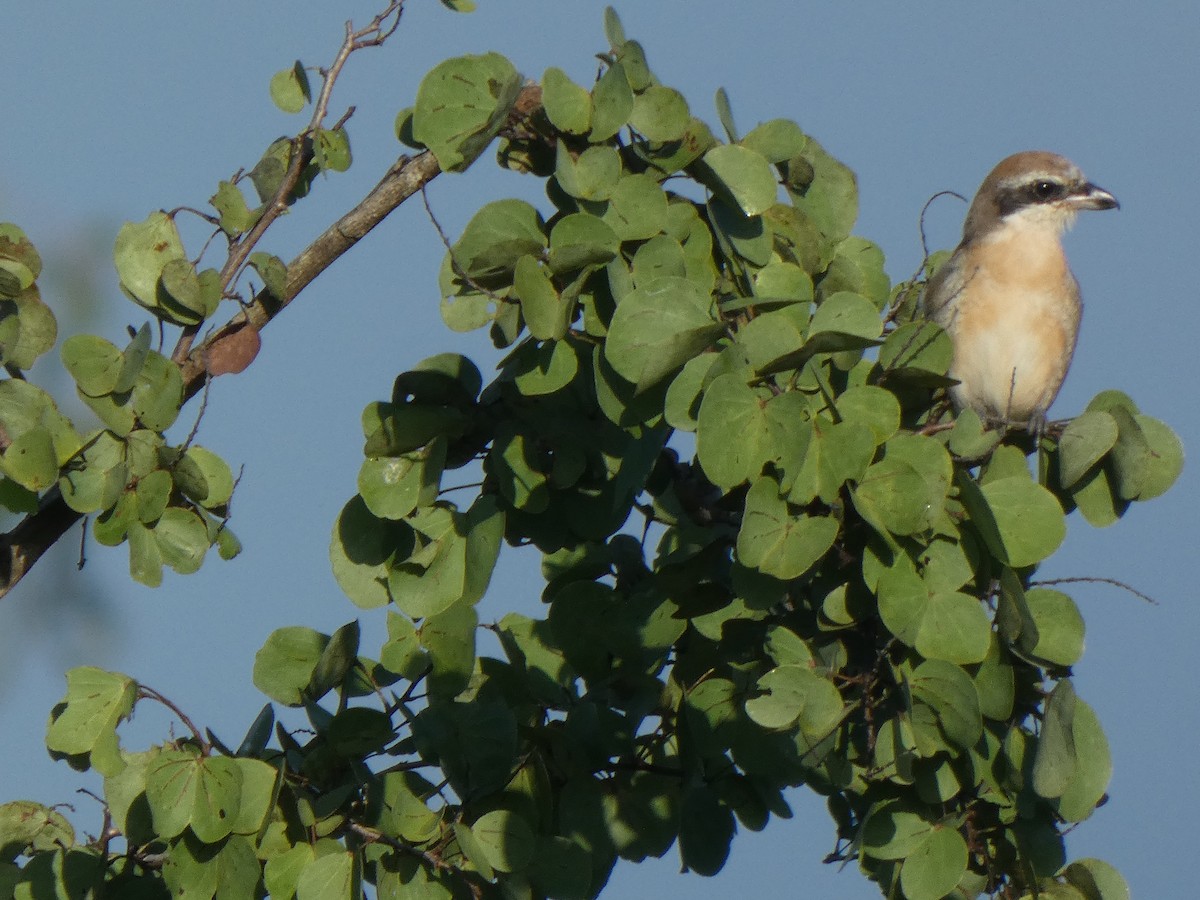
657,328
1093,767
777,140
327,878
591,176
37,330
158,393
660,114
612,103
776,542
795,693
1027,517
289,88
932,870
204,477
152,494
218,797
30,460
567,105
579,240
506,840
705,830
1084,442
1097,880
93,362
894,830
182,539
141,252
462,104
1059,627
637,208
742,177
1166,457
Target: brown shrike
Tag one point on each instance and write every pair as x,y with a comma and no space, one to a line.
1006,296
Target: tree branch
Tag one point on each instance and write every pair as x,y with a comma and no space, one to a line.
22,547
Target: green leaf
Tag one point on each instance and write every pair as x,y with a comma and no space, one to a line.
37,329
218,797
182,539
331,877
612,104
593,175
561,868
942,625
331,149
283,667
93,362
1058,628
778,140
795,693
506,840
949,692
545,313
1084,442
158,394
449,637
845,321
462,104
637,208
272,270
935,866
824,190
235,215
893,830
1093,767
204,477
579,240
705,830
281,873
775,541
1028,517
568,106
660,114
497,237
742,177
917,351
290,90
1055,759
544,368
173,785
142,251
1166,457
96,702
1097,880
657,328
361,550
30,460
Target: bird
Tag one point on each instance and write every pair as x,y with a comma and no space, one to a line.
1007,297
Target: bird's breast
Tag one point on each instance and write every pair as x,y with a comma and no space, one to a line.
1013,313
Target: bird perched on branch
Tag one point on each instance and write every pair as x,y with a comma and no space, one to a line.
1006,296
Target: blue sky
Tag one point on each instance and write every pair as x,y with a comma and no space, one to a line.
113,110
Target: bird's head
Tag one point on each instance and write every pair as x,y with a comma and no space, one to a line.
1034,189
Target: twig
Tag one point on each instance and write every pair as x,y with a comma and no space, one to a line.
454,264
150,694
371,36
1095,579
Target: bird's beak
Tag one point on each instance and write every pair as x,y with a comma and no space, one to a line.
1091,196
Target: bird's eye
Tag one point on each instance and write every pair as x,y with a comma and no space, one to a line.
1046,190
